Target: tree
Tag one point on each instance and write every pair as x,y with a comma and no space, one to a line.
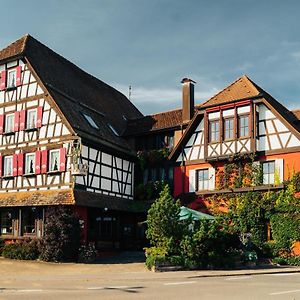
164,229
61,239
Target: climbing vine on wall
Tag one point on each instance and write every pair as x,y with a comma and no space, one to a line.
253,212
240,171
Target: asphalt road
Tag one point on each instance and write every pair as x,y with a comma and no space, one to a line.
22,280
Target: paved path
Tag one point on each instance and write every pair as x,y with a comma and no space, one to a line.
39,280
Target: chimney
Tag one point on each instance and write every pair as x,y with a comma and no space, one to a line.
187,99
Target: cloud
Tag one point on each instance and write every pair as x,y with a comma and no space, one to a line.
154,100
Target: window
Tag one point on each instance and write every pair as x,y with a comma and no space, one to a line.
54,159
214,131
202,179
229,128
9,123
243,126
11,78
6,221
8,166
91,121
268,172
28,220
113,129
31,119
29,163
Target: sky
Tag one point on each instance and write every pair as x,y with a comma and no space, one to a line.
151,45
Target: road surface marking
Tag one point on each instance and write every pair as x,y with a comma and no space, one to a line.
284,292
238,278
96,288
283,274
29,291
178,283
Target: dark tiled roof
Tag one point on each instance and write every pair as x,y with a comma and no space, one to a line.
159,121
76,91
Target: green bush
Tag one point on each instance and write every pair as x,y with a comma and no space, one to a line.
279,260
291,260
159,260
164,229
210,246
87,253
61,240
23,249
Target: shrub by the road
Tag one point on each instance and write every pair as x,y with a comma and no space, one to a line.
23,249
61,240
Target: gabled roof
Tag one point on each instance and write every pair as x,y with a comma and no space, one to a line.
242,88
76,92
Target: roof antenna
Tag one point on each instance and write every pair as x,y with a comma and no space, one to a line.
129,92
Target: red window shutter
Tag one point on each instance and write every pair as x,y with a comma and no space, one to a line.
3,80
15,165
22,119
39,117
1,123
62,155
44,155
18,75
38,162
1,159
20,164
17,120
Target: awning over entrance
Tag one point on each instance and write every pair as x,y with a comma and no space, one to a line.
83,198
186,213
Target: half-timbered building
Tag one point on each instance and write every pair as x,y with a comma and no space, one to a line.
61,144
241,122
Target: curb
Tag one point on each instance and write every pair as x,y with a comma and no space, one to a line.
254,273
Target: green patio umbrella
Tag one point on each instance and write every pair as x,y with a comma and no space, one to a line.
186,212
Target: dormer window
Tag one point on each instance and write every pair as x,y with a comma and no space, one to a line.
113,129
91,121
31,119
11,78
9,123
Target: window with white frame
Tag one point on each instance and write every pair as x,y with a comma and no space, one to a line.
54,159
29,163
268,168
31,118
9,123
243,126
214,131
228,128
11,78
8,166
202,179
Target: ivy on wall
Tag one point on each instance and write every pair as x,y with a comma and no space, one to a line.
240,171
257,212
